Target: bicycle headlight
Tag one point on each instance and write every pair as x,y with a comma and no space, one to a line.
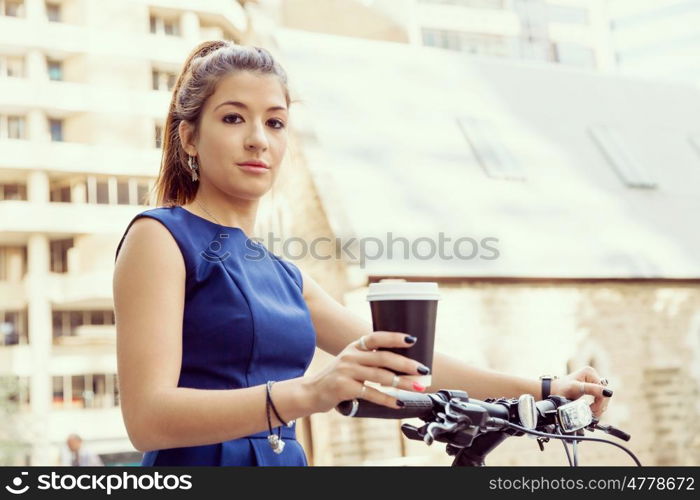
527,413
575,415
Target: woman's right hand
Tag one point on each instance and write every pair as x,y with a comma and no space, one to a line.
344,378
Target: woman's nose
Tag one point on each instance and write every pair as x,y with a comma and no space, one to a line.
256,139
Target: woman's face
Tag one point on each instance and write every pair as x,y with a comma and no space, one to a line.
244,120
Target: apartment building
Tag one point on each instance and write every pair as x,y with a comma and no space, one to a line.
650,38
656,38
569,32
84,91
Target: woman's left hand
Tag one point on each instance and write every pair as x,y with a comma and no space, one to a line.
584,381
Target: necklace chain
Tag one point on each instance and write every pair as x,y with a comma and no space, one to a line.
207,211
217,220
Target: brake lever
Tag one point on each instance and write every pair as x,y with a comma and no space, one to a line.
444,427
614,431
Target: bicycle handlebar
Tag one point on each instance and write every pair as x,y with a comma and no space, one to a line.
415,405
473,428
420,405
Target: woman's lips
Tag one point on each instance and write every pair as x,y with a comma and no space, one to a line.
257,169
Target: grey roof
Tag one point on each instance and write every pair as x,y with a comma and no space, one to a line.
388,155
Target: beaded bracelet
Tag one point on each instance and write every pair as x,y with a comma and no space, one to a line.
275,440
274,408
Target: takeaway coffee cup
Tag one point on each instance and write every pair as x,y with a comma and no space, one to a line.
408,307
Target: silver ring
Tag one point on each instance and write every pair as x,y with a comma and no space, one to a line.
583,389
362,391
355,406
395,381
603,382
362,344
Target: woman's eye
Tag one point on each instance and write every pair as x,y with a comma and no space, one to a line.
277,123
231,116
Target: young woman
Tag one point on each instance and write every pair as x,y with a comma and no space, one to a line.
202,328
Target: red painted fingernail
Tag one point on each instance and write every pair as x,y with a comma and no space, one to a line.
418,387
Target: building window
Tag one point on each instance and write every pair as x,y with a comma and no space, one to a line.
574,55
613,148
55,69
102,191
493,156
15,127
13,328
98,190
60,194
11,66
80,390
66,323
12,8
56,127
13,191
159,136
170,27
143,190
91,390
123,192
58,392
53,12
474,43
127,191
12,127
160,25
59,255
654,12
567,14
163,80
13,263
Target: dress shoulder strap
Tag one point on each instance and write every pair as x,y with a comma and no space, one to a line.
174,223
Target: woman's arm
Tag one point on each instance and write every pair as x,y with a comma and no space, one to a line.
337,326
149,291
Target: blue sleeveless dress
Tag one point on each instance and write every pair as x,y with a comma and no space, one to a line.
245,322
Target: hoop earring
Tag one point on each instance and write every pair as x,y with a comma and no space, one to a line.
193,167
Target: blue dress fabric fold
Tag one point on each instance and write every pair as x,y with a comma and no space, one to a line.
245,322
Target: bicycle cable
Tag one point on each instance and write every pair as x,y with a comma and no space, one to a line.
505,423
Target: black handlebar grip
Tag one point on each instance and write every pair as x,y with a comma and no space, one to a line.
415,405
620,434
547,405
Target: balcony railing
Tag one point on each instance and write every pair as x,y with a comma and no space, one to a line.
15,359
89,335
65,218
76,157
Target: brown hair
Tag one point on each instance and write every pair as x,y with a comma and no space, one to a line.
205,66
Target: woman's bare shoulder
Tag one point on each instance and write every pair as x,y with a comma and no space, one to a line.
150,249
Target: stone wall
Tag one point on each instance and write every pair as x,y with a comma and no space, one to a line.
643,335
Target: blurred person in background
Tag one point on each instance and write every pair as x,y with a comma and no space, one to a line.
76,455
